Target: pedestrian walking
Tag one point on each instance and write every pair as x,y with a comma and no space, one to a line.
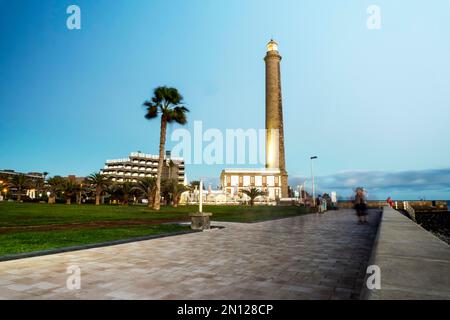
361,206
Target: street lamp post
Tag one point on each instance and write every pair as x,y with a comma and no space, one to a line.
200,206
312,181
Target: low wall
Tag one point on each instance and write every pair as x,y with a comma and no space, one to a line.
414,263
371,204
425,206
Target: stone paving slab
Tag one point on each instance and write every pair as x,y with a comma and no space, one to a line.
307,257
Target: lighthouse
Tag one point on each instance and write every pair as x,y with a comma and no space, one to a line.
275,156
273,178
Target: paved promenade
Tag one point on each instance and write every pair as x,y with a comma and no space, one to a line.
307,257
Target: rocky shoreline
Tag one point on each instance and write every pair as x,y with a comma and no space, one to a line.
436,223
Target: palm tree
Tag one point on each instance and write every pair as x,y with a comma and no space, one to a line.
20,182
147,187
127,189
69,189
37,184
112,192
53,186
174,189
83,190
194,184
166,102
253,193
170,165
99,182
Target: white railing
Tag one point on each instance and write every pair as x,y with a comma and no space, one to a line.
408,208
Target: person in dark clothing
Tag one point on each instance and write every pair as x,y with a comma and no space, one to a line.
361,206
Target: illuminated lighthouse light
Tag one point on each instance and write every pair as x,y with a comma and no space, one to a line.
272,46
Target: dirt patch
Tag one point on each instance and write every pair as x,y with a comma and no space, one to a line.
92,225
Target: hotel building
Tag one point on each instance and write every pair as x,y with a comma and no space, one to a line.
140,165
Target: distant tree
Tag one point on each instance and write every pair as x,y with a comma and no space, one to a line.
194,184
112,192
37,184
99,182
169,164
126,189
20,182
167,103
70,188
253,193
173,190
53,186
147,188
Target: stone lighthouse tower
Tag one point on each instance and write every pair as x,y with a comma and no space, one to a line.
275,158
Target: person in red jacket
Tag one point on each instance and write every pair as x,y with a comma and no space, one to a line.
390,202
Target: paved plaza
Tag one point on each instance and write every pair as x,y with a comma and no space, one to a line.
306,257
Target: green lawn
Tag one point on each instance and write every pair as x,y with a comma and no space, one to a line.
20,242
28,215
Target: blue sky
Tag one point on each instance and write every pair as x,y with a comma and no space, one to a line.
367,102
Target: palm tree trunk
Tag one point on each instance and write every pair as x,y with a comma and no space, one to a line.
150,201
68,201
97,199
52,198
162,143
153,198
19,194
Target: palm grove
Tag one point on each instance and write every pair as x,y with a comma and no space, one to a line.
167,105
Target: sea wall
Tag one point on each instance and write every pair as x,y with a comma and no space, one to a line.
420,206
414,264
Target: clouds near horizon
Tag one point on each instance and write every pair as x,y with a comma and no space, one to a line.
433,183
